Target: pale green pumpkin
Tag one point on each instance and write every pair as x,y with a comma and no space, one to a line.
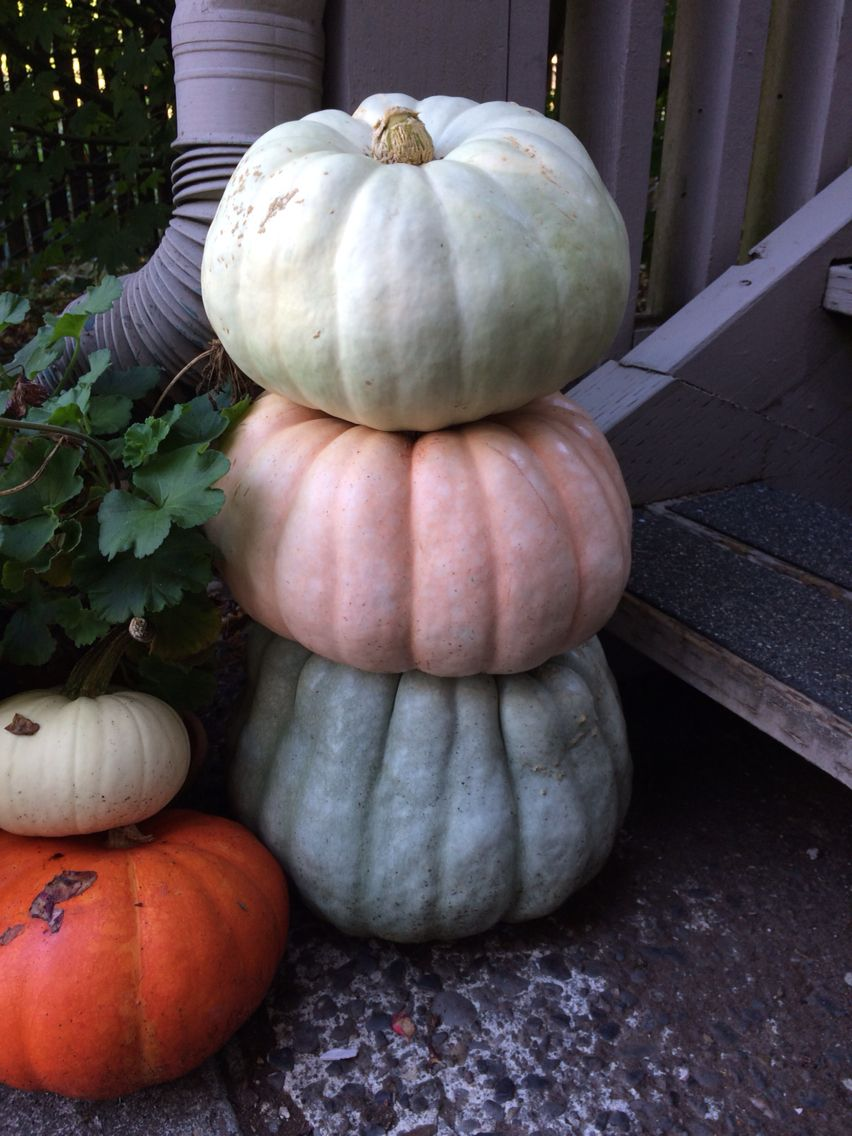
412,807
418,263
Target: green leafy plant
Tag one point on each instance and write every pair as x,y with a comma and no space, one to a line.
102,492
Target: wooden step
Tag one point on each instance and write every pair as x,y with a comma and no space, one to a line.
746,593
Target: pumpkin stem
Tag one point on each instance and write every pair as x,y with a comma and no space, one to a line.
400,136
92,674
126,836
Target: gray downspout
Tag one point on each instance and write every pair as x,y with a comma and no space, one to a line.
241,67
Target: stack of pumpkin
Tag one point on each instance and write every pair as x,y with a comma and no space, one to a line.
126,958
426,536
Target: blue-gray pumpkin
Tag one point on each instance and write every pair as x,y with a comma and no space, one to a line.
412,807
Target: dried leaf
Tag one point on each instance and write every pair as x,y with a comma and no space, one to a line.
64,886
22,727
402,1024
11,933
24,395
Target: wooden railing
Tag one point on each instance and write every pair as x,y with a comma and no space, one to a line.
756,119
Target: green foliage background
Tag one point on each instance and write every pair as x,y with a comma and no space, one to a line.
116,142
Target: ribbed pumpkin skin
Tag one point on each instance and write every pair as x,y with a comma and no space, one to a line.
412,807
413,297
95,763
153,967
488,547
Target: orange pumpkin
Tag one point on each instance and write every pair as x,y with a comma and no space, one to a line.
486,547
124,967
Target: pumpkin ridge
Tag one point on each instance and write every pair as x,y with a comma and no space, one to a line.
491,641
312,472
460,363
147,1041
516,890
588,456
561,523
591,663
447,769
510,209
371,805
132,713
342,286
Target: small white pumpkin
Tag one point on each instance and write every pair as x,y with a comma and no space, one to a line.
74,766
413,292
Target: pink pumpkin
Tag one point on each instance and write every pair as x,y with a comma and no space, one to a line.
486,547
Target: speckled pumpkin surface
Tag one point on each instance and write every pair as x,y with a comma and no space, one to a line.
489,547
412,807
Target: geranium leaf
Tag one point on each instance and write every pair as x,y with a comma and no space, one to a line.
80,624
178,482
186,630
37,355
27,639
13,309
24,540
129,522
57,483
101,297
109,413
184,687
142,439
133,383
69,325
200,423
127,586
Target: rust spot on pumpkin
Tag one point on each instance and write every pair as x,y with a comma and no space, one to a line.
62,887
22,727
11,933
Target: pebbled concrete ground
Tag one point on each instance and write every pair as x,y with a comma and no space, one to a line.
701,985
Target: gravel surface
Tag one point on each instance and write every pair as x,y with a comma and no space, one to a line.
701,985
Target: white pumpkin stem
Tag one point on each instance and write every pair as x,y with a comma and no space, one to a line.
400,136
92,674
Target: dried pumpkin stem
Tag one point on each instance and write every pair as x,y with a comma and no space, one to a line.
400,136
126,836
92,674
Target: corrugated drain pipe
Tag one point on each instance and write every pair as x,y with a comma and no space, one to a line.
241,66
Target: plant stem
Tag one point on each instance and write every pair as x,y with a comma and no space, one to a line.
92,674
203,355
33,478
76,436
400,136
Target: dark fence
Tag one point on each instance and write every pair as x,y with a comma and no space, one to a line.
84,128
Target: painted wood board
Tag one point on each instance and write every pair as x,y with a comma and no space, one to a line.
481,49
672,439
800,723
785,621
608,93
804,134
838,290
760,329
714,94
